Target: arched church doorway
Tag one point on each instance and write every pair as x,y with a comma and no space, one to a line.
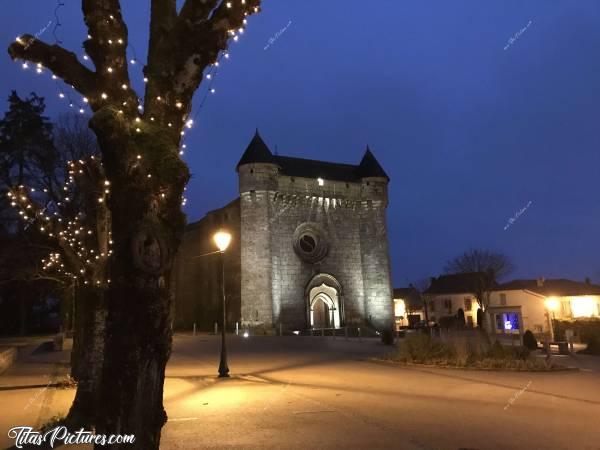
324,302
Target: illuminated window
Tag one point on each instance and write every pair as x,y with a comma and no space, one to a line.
507,321
320,181
399,307
584,307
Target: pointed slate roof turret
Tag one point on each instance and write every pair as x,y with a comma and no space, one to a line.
370,167
256,152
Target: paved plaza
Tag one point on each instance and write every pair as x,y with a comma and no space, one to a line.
319,393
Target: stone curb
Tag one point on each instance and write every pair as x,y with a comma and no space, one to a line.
481,369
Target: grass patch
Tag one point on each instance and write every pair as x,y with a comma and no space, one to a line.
473,351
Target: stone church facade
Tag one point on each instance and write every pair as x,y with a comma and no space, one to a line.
309,248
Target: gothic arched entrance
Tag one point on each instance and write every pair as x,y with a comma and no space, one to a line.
325,306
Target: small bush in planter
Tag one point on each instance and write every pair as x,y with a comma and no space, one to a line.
496,351
529,340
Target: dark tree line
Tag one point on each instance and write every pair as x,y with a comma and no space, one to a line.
54,232
33,155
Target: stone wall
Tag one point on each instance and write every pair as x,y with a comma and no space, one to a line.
275,278
197,279
267,280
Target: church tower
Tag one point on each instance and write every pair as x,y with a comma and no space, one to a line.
257,185
309,248
374,241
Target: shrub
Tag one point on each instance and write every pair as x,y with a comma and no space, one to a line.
496,351
422,348
467,352
529,340
517,352
448,322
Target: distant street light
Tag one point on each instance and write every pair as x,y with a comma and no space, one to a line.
222,240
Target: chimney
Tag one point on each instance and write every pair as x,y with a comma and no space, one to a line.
588,281
540,281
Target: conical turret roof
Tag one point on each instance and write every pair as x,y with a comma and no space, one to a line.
256,152
370,167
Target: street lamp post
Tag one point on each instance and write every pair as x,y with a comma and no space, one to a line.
222,239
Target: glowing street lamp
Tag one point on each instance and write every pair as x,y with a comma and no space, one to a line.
552,304
222,240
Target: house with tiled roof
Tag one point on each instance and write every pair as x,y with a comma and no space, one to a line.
513,307
532,304
409,307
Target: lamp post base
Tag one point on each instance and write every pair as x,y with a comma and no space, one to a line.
223,371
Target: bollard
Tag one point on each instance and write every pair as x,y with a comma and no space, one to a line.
333,331
312,331
194,328
236,329
322,332
346,332
216,328
359,336
280,330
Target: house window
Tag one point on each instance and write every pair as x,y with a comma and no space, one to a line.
468,304
511,321
499,321
432,306
503,299
507,321
448,304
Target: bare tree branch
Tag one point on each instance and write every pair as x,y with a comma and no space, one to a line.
163,14
202,30
496,264
61,62
107,47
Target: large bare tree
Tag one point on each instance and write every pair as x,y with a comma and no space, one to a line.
486,268
497,264
140,153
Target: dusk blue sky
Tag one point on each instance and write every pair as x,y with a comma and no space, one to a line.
468,132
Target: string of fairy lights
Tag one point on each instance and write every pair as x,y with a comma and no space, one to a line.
73,232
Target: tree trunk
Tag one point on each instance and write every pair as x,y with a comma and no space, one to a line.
87,356
147,226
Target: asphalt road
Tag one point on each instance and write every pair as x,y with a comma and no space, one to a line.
316,393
